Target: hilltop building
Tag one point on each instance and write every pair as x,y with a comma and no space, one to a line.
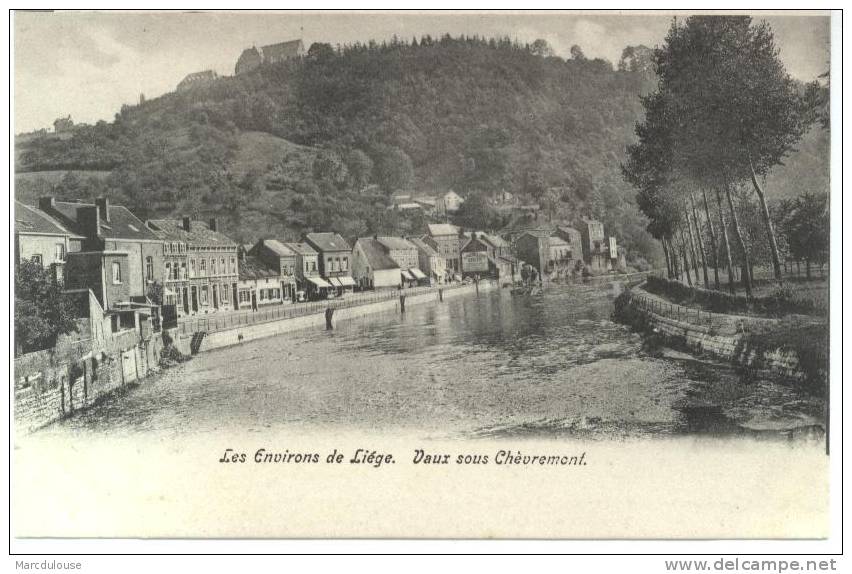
65,124
195,79
252,58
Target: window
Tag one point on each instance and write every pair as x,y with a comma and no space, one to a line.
202,267
345,263
168,270
263,294
183,270
313,265
204,295
245,296
306,267
222,269
59,252
233,265
116,273
192,267
36,259
149,268
225,298
213,266
337,264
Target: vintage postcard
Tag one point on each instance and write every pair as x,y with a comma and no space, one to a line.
513,275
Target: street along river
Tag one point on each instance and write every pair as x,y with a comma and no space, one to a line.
493,365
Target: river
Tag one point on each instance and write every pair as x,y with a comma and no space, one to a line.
492,366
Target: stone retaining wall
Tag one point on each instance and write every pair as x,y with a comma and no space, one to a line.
55,383
701,339
247,333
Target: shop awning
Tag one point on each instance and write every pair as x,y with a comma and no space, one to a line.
334,281
346,281
406,276
418,274
319,282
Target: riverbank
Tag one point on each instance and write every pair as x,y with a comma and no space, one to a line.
794,348
335,312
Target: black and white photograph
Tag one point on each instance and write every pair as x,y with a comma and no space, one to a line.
513,275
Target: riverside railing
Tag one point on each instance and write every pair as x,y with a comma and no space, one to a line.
230,320
691,315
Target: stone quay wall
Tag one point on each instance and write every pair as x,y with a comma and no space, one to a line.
722,336
54,383
317,319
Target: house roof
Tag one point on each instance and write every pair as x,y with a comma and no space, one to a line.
442,229
197,76
278,248
252,267
490,238
471,241
327,241
423,246
29,219
556,240
395,243
376,255
199,233
288,49
122,223
301,248
567,229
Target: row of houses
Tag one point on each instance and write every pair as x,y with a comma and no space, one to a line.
107,249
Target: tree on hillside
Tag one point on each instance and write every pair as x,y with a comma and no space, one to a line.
392,168
577,53
360,168
42,311
477,214
638,59
542,48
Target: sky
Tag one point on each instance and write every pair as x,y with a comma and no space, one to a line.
87,64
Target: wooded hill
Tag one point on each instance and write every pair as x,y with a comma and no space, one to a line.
320,143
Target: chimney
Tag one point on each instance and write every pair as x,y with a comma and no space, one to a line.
214,224
47,203
187,223
103,205
89,219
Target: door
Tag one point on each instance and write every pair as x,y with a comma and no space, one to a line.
253,300
185,301
128,365
215,296
195,299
